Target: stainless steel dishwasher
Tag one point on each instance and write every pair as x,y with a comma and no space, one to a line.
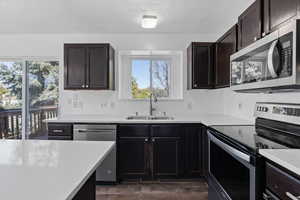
106,172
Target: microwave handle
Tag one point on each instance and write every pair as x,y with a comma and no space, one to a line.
270,59
229,149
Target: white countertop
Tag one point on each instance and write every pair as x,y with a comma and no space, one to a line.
48,170
287,158
206,119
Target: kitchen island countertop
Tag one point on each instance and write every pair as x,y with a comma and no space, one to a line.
48,170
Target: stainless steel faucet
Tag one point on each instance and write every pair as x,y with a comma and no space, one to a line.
152,99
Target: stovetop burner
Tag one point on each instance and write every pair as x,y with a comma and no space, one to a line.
276,127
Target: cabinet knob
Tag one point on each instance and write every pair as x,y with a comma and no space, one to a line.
264,34
153,140
195,85
255,38
83,86
87,86
146,140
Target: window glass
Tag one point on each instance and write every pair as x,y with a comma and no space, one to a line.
42,97
11,99
149,76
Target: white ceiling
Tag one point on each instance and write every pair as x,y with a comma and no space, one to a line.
118,16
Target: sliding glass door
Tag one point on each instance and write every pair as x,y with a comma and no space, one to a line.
42,96
11,79
28,97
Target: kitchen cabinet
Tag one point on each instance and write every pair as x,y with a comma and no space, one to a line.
200,65
133,152
167,145
193,151
225,47
60,131
159,151
278,13
89,66
250,25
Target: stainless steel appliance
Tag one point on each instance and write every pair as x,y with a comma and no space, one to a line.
271,64
91,132
235,167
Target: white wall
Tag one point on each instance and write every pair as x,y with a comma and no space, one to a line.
107,102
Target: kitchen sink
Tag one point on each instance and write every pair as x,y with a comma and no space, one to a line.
149,117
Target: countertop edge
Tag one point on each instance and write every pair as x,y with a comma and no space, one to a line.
91,171
279,161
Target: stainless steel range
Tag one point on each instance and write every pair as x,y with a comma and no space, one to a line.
235,167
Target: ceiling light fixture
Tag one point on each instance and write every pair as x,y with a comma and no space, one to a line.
149,21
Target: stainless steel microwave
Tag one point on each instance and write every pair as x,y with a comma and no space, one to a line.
271,64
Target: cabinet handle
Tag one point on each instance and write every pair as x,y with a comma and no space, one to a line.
291,196
57,131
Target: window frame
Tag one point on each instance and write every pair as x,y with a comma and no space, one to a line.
175,72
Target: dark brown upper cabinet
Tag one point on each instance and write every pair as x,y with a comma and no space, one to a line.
89,66
277,13
250,24
225,47
200,65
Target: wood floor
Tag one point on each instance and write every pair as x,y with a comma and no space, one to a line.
154,191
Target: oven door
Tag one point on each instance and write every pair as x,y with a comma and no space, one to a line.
230,171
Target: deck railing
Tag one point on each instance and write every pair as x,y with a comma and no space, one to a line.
11,121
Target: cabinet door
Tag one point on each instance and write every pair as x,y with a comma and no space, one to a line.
278,12
133,151
200,65
75,66
225,47
167,149
193,151
250,25
132,158
167,157
98,67
205,152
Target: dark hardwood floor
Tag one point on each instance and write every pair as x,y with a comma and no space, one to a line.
154,191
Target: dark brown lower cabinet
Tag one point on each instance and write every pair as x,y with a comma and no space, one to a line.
167,157
193,151
133,158
163,151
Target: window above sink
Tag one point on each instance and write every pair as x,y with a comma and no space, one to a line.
144,72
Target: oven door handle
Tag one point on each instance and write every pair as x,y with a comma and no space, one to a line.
229,149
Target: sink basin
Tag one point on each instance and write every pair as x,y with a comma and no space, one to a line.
148,117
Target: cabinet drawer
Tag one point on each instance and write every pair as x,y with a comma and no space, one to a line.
60,129
134,130
166,131
281,183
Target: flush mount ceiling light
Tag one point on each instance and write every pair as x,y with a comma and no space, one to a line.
149,21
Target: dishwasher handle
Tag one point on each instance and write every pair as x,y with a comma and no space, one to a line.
94,131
